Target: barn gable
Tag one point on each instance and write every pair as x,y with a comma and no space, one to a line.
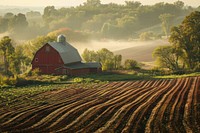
45,59
68,53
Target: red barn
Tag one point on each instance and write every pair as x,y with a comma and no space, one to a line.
61,58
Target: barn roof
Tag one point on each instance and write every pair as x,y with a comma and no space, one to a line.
68,53
81,65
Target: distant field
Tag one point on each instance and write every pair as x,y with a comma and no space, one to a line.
126,106
142,52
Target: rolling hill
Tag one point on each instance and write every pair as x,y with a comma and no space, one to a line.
141,53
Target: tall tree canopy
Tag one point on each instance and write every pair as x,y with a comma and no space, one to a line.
19,23
7,49
108,60
169,57
184,53
166,20
93,3
187,37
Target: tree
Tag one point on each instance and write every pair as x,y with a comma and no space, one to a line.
94,3
18,23
33,14
7,50
3,24
19,61
127,25
8,15
186,37
133,4
106,29
146,36
179,4
169,57
95,24
50,13
108,60
89,56
4,21
166,20
131,64
117,61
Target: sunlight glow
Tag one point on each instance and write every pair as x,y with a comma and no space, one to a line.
65,3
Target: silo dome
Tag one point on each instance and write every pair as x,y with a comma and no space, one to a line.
61,39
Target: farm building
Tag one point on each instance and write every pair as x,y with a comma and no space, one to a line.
61,58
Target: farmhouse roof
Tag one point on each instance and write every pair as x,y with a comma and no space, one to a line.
68,53
81,65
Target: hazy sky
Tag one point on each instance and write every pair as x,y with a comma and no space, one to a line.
195,3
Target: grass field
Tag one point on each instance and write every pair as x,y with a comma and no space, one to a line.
162,105
133,75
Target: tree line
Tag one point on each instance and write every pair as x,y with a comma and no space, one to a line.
108,60
113,21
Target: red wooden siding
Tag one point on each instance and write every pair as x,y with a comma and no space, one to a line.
47,59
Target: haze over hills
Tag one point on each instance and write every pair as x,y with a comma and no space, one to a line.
21,6
142,51
19,9
67,3
95,24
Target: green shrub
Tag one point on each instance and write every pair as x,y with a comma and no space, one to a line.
85,80
35,72
130,64
78,80
13,81
88,80
7,81
1,79
63,78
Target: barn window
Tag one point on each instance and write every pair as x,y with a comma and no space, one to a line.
47,48
36,59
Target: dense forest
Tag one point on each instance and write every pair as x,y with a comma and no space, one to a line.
25,33
93,20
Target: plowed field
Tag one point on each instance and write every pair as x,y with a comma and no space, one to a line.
134,106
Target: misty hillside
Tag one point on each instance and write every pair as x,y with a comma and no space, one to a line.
130,30
93,20
17,9
141,52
